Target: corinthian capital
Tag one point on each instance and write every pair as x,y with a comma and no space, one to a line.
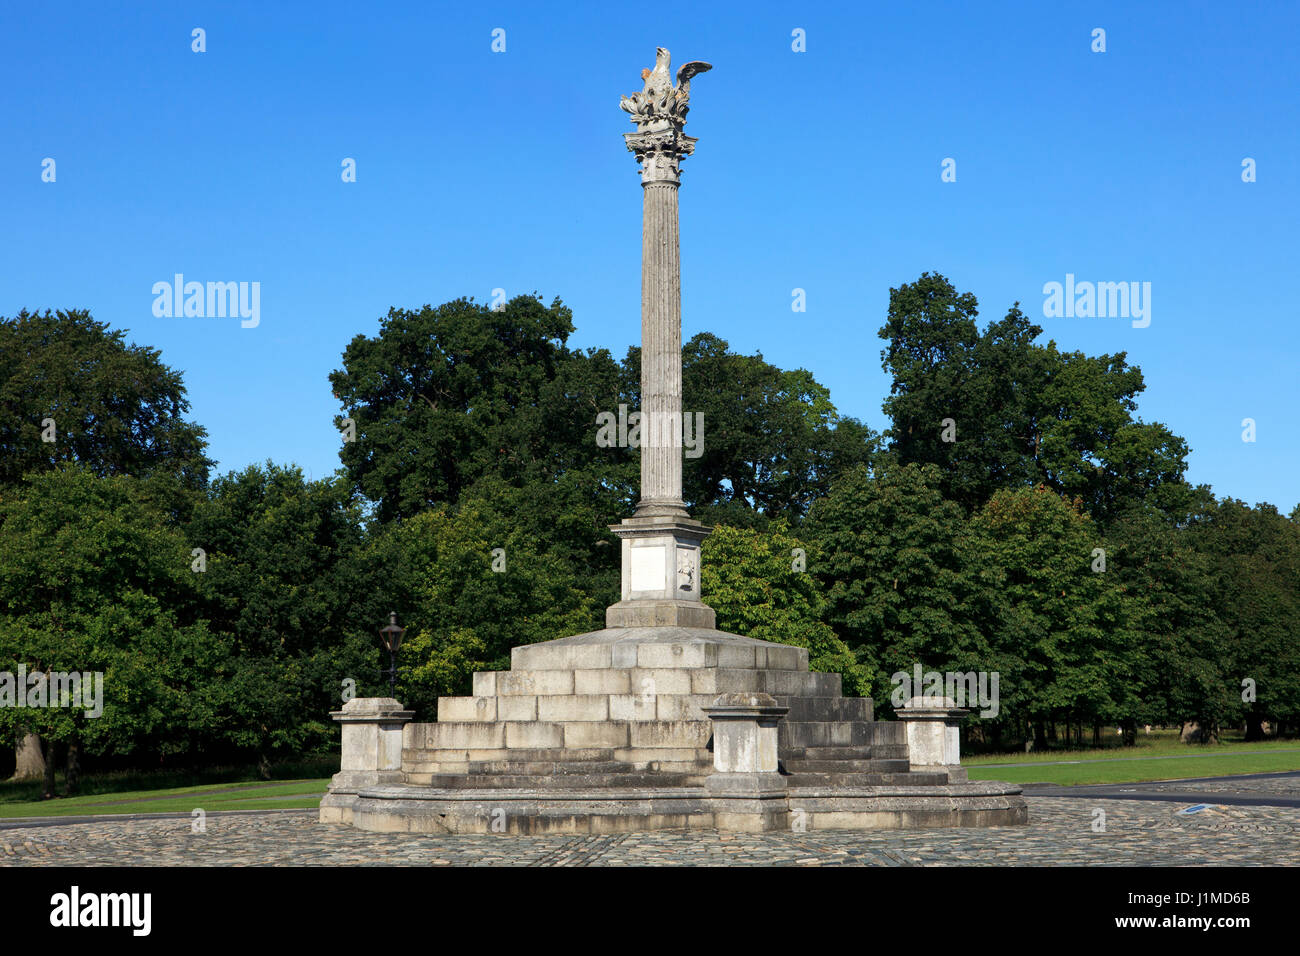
659,112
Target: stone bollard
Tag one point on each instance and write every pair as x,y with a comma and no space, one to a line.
744,733
748,791
933,735
372,752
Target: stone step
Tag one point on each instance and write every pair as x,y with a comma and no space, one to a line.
424,741
571,781
570,707
690,652
657,680
536,754
659,764
908,779
795,734
829,753
874,751
725,680
827,708
526,767
868,765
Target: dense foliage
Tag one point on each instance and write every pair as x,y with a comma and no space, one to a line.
1017,517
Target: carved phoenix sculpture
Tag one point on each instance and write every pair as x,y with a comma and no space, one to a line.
659,99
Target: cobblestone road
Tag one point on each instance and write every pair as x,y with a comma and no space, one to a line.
1060,832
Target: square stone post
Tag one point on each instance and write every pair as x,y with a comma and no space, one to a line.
934,735
748,790
372,752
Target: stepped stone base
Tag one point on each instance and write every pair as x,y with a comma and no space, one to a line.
606,732
521,811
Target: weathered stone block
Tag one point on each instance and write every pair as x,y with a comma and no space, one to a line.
781,657
642,756
660,680
531,683
683,706
671,733
596,734
466,736
533,735
736,656
516,707
632,707
604,681
551,656
573,707
467,708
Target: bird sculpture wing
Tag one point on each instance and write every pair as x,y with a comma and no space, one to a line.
689,70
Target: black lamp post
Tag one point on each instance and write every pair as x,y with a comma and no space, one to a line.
391,635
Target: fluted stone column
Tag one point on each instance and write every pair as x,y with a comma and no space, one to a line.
661,544
661,350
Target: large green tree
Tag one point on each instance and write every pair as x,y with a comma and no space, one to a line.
93,579
1173,589
1060,630
112,407
885,547
771,438
1256,560
997,410
284,580
444,397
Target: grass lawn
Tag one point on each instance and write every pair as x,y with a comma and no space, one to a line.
1133,771
1156,756
276,795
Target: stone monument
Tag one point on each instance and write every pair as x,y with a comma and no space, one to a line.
659,720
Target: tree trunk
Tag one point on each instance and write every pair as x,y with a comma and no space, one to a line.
1096,733
73,781
49,769
1254,727
1040,736
29,761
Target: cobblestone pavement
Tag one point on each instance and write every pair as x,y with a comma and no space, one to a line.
1060,832
1280,790
1281,785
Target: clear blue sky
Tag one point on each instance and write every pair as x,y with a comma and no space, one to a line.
818,170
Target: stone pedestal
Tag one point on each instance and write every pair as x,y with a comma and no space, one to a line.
744,733
745,784
934,735
661,574
372,752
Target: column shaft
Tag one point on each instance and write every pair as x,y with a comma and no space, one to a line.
661,351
